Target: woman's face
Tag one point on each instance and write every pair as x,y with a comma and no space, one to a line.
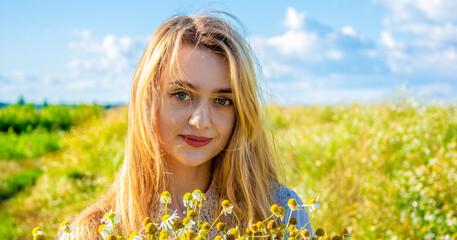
195,120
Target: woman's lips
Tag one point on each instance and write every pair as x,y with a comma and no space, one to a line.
195,141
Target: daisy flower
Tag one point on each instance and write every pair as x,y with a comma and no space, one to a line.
38,233
167,221
165,197
227,207
65,227
187,200
136,236
198,197
312,204
105,230
111,218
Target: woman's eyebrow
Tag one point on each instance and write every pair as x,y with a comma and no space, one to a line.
184,84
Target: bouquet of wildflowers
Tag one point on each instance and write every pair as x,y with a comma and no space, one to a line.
191,227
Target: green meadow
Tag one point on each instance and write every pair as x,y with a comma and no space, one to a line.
383,171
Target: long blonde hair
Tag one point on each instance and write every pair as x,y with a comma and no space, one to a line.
243,173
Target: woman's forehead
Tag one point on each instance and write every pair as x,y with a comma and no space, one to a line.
197,66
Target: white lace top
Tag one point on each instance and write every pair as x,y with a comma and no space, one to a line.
281,197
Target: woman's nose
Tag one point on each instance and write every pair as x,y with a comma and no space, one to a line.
200,117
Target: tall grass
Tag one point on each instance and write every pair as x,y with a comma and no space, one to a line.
384,171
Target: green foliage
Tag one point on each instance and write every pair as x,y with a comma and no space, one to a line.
383,171
17,182
26,117
28,145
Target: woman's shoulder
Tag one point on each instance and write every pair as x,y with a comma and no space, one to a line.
282,194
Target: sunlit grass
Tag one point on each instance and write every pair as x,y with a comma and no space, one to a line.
380,170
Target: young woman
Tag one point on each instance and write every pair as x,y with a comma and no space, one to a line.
195,122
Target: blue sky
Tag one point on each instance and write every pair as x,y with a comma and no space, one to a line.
311,52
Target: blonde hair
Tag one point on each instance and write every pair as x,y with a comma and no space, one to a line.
243,173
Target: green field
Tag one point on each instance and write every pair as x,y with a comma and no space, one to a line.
383,171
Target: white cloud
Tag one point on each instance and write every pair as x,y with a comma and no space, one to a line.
388,40
294,20
420,36
437,10
348,30
294,42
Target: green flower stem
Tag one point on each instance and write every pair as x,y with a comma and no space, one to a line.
288,220
198,220
268,217
301,229
166,205
215,221
237,218
112,221
176,234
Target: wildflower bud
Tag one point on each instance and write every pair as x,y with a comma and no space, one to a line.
272,224
120,238
291,228
337,238
282,212
151,228
274,231
35,230
293,221
325,238
165,197
343,231
100,228
305,233
191,235
282,226
206,226
163,236
234,231
177,224
320,232
186,220
65,227
218,237
291,238
165,217
274,209
146,221
39,237
111,237
199,238
203,232
220,227
295,232
134,235
260,225
187,197
279,236
191,214
225,203
292,204
241,238
254,228
230,237
249,231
